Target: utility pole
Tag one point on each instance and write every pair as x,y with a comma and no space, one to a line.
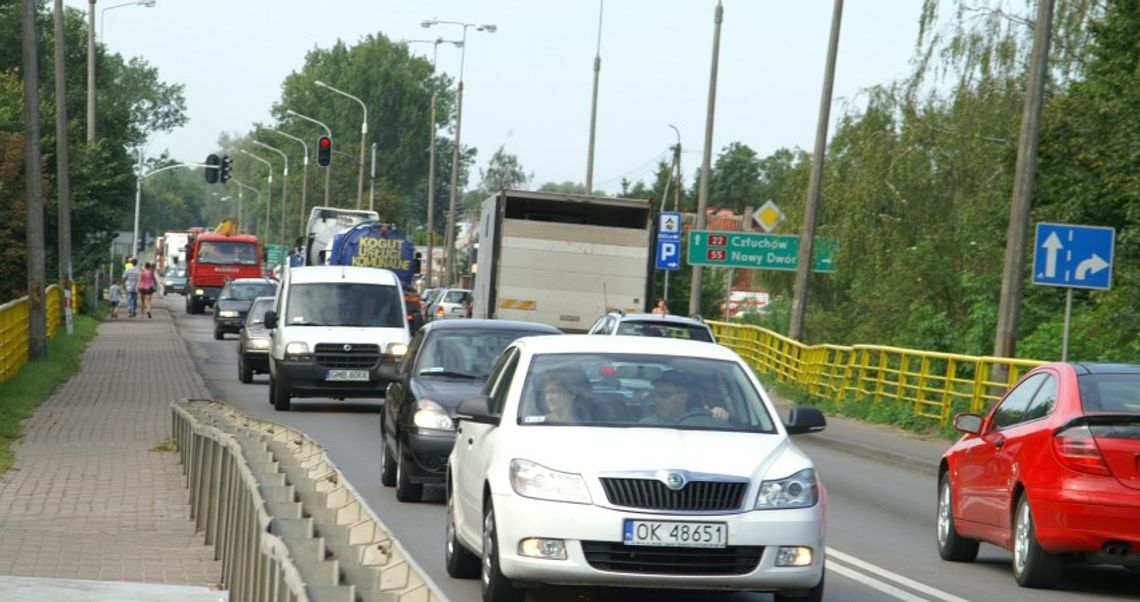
91,73
33,187
811,204
594,103
706,162
63,162
1013,277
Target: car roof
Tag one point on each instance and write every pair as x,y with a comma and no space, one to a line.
332,273
658,318
473,324
1104,368
584,343
253,280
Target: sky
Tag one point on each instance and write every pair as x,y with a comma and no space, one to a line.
527,87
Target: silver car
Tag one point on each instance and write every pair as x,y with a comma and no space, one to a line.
450,303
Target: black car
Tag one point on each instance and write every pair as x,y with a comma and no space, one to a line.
253,341
447,362
234,301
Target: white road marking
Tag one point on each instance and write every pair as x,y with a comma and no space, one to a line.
873,583
897,578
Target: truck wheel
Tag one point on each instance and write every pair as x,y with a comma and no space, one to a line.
279,394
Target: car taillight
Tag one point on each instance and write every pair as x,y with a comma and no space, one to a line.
1076,448
439,311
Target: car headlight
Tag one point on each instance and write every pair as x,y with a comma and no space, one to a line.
199,291
227,313
297,351
397,349
801,490
431,415
259,343
536,481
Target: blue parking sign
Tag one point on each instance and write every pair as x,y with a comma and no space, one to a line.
1073,256
668,254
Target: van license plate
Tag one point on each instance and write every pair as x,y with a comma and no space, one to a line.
675,534
348,375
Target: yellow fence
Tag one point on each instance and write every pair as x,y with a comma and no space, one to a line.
935,383
14,330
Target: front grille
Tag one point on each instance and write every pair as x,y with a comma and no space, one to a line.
650,560
695,496
358,355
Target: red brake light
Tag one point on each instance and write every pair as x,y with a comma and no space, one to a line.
1076,448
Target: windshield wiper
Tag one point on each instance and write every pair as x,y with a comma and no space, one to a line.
450,373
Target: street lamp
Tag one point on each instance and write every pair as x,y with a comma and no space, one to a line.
431,154
241,207
304,174
284,186
269,190
328,132
363,133
138,195
91,55
450,237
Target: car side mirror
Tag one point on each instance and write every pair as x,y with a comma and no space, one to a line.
970,424
389,371
805,419
271,319
476,409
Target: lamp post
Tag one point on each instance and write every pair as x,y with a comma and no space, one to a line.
91,55
594,104
138,195
431,153
363,134
450,237
241,206
304,174
269,189
328,132
284,186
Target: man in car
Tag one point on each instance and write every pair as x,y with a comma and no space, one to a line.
675,403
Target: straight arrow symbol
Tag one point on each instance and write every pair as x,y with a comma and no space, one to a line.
1051,246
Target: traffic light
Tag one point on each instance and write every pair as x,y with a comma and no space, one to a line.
225,168
324,151
212,163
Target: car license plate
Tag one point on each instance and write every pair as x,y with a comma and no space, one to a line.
350,375
676,534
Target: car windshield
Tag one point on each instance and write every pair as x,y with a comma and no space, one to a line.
257,311
466,352
345,304
665,329
634,390
1110,393
225,252
247,291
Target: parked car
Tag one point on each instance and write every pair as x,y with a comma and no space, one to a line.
450,303
652,325
253,341
234,301
1051,473
447,362
632,462
174,281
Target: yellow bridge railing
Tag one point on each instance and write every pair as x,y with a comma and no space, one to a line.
14,329
934,383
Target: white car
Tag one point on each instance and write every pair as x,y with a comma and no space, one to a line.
636,462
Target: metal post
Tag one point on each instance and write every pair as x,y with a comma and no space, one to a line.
328,132
91,72
1068,315
706,162
372,181
594,104
304,177
284,192
449,236
431,193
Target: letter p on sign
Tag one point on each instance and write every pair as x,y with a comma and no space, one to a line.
668,254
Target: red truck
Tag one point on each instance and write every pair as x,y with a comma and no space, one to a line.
214,258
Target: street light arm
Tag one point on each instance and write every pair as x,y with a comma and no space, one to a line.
284,157
328,132
364,124
169,167
304,144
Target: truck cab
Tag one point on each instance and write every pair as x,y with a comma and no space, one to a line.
214,258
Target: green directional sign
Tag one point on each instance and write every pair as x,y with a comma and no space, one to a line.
274,255
752,250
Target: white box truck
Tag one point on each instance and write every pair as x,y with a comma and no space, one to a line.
562,259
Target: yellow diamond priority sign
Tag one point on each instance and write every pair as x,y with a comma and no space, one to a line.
768,216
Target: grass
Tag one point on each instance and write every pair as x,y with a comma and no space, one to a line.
37,381
166,445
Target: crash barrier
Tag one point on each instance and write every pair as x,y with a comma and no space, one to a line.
14,338
284,522
937,384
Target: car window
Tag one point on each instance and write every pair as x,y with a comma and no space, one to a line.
246,291
1012,407
1043,401
597,327
503,386
496,371
641,390
345,304
666,329
257,311
454,297
466,352
413,351
1111,393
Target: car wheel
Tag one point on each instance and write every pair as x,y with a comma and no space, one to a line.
387,464
460,562
279,394
218,334
814,594
1032,566
406,490
496,587
951,546
245,375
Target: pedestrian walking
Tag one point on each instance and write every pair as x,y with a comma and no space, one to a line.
131,282
147,284
661,309
116,293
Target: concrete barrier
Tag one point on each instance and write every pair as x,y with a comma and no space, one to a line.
284,522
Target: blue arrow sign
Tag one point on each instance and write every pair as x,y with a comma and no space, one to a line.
668,254
1073,256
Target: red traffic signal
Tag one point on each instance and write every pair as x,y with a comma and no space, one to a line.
324,151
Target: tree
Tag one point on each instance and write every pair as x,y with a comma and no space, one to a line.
735,179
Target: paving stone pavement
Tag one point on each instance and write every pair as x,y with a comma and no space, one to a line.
88,496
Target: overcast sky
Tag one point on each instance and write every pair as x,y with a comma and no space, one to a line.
528,85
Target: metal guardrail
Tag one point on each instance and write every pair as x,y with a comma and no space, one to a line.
14,339
285,523
937,384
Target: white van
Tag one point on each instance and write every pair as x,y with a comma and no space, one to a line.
334,330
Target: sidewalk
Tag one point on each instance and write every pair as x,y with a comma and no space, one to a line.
89,499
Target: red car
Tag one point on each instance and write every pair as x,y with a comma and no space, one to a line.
1052,473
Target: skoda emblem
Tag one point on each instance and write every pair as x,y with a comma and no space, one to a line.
347,348
675,481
